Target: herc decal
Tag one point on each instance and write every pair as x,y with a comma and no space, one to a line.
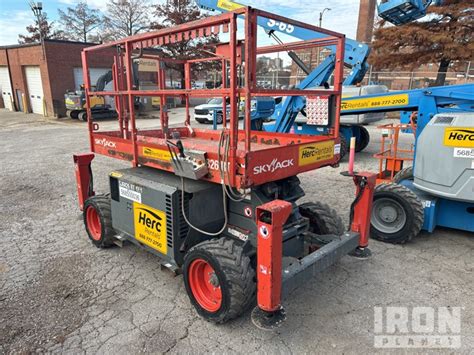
314,153
459,137
150,227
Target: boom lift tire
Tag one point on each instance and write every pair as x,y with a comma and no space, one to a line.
322,218
364,139
344,147
98,221
404,174
219,279
397,214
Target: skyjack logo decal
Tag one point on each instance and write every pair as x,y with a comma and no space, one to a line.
104,142
273,166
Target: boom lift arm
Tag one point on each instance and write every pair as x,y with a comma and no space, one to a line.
400,12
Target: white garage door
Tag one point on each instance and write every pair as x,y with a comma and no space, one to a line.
6,88
35,89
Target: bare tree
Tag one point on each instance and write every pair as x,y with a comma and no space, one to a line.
126,18
79,22
174,13
42,28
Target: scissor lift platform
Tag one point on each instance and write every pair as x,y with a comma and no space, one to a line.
272,157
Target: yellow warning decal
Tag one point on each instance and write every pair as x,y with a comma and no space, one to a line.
228,5
150,227
316,152
381,101
154,153
459,137
116,174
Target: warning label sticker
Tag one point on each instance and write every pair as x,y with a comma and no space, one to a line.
158,154
459,137
316,152
150,227
374,102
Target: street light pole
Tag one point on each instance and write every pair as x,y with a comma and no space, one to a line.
37,8
321,25
321,16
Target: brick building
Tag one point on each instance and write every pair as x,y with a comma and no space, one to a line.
35,77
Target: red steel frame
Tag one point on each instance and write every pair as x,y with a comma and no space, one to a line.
248,149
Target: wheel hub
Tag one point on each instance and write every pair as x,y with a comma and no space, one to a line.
388,216
93,223
213,280
205,285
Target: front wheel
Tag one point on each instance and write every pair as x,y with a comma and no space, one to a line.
397,214
219,279
364,139
98,221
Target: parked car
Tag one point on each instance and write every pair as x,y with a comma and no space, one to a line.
204,113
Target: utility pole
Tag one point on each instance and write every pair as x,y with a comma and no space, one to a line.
318,59
37,8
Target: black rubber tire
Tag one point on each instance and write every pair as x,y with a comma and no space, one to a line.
412,207
322,218
82,116
363,140
344,147
404,174
72,114
235,274
219,118
101,203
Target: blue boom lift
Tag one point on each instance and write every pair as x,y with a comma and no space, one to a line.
438,190
355,57
400,12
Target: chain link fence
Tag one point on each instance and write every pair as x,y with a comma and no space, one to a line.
393,80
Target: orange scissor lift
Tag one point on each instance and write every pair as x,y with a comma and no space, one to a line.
393,154
220,206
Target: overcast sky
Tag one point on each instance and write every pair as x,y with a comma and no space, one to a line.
15,15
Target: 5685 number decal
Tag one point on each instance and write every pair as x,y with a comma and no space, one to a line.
464,153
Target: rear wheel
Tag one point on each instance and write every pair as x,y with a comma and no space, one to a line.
219,279
98,221
72,114
364,139
219,118
82,116
322,218
404,174
397,214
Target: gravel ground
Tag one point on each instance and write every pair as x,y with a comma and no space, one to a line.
58,293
